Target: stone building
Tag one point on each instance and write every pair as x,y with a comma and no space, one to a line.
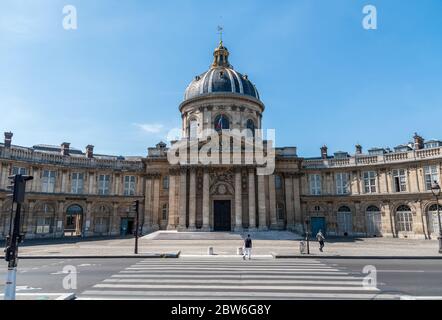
379,193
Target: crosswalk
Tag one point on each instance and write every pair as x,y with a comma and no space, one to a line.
231,278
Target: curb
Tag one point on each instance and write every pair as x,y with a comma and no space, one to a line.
312,256
140,256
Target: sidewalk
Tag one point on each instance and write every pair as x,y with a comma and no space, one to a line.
172,244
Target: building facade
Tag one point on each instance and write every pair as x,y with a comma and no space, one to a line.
379,193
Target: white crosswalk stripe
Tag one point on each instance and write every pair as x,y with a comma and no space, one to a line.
229,278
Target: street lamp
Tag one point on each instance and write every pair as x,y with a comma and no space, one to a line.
435,189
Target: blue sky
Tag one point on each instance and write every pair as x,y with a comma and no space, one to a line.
116,82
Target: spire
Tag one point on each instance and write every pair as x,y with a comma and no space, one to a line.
221,56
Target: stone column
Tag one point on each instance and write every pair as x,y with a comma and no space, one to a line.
297,217
115,225
238,200
156,202
272,203
183,200
192,200
262,203
252,206
289,201
388,224
60,217
418,227
206,201
172,209
148,219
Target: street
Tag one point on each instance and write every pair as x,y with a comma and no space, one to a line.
229,278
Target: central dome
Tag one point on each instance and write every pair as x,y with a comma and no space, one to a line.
221,78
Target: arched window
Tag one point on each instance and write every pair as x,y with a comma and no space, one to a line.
250,125
221,122
280,212
345,224
433,220
193,129
44,219
373,221
404,218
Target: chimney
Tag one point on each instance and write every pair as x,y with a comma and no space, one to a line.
358,149
418,142
65,148
89,151
324,152
8,139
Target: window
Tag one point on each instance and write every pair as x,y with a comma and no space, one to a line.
317,208
101,225
431,174
166,182
193,129
48,181
77,183
315,184
250,125
341,183
278,182
433,220
221,122
404,219
18,170
129,185
164,211
373,221
43,225
369,181
280,211
399,180
103,184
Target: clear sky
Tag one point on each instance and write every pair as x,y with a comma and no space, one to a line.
116,82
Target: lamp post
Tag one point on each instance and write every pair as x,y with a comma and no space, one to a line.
435,189
306,235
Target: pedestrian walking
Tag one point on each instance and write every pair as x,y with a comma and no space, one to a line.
247,248
320,237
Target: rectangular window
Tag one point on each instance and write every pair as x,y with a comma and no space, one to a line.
48,181
103,184
342,183
399,180
164,211
77,183
431,174
18,170
315,184
369,181
129,185
166,182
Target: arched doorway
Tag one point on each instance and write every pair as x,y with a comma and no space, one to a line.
74,221
373,221
433,220
345,223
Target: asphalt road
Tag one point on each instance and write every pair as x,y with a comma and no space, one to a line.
408,277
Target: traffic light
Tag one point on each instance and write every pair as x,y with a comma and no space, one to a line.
135,205
18,187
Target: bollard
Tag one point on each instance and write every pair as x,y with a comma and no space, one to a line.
239,251
210,251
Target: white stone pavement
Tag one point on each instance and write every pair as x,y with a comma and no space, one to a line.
226,244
